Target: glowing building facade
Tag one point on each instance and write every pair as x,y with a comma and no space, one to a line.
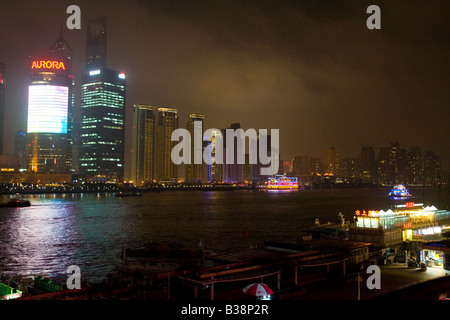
49,103
102,125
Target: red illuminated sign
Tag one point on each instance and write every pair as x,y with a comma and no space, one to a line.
409,204
48,64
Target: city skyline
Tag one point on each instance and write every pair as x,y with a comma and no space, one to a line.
319,102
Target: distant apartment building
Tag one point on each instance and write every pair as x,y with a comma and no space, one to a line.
167,123
143,147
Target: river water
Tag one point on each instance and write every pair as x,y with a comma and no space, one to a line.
88,230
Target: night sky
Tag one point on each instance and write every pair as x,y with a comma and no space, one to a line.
309,68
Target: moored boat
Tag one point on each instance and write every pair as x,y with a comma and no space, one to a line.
128,194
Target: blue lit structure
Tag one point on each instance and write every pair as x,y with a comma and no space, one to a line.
399,191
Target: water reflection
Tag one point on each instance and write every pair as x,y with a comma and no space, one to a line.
89,230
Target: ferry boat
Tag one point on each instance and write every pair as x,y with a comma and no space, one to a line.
399,191
281,182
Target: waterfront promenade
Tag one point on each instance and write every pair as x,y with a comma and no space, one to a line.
394,278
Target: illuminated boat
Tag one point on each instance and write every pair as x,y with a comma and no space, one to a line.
282,182
399,191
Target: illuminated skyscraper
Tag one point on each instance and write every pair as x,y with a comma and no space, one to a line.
102,125
194,172
2,103
167,123
49,101
143,144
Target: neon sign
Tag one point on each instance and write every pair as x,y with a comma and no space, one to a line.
43,64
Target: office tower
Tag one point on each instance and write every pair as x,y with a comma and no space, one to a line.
167,123
2,103
143,144
194,172
103,96
61,49
367,165
431,168
96,44
20,148
102,125
49,101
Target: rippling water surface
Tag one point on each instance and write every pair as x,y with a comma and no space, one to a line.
88,230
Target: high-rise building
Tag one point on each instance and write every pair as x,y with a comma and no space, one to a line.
49,102
96,44
194,172
20,148
167,123
332,161
392,164
102,137
216,169
367,165
102,125
414,166
61,49
232,172
143,144
2,103
431,168
348,168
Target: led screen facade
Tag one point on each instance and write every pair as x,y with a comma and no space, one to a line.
47,109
